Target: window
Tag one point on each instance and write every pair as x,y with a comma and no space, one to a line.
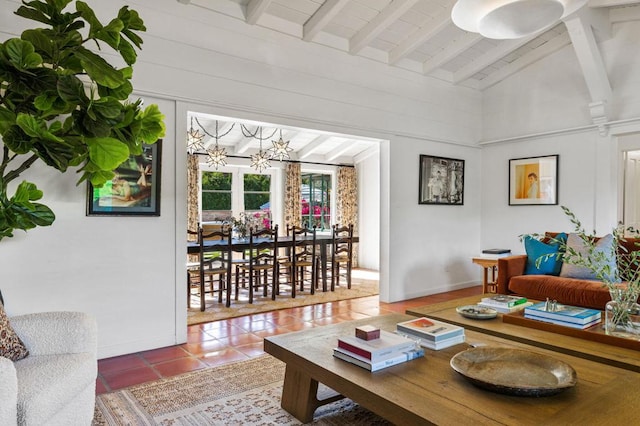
257,192
216,196
233,190
316,200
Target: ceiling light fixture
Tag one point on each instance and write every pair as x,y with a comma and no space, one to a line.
217,156
260,161
510,19
194,139
281,149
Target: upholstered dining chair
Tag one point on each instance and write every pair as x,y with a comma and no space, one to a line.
301,261
211,266
263,261
341,254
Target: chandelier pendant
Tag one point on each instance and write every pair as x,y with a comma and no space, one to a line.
194,140
280,149
217,156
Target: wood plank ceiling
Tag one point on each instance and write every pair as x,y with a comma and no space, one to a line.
419,36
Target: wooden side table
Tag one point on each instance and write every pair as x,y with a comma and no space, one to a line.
488,264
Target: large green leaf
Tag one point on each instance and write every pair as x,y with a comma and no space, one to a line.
71,90
99,69
152,124
7,119
40,41
22,54
16,140
107,153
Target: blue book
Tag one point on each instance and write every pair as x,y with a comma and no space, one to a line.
564,313
563,323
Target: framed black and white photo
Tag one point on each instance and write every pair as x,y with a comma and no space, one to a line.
441,181
134,190
533,181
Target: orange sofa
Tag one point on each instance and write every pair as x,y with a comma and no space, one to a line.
568,291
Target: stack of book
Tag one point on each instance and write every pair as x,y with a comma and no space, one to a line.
432,334
569,316
505,303
387,350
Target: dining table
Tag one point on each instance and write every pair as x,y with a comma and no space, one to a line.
242,244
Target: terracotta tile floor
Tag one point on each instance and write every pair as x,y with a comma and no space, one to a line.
235,339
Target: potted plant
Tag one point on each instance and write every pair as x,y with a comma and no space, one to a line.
65,105
616,266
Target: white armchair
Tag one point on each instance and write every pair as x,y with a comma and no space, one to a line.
55,384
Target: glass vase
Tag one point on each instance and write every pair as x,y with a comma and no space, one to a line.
622,314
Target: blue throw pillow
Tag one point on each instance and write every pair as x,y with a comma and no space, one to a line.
535,249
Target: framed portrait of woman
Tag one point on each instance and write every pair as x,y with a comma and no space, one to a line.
533,181
134,190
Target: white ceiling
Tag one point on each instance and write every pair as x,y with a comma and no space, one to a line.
419,36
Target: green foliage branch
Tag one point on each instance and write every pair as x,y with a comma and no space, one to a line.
623,281
65,105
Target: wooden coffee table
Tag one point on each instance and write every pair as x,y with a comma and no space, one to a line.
428,391
626,358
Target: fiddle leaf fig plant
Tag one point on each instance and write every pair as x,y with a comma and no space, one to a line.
64,104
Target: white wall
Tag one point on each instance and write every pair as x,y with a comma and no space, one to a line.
128,272
551,116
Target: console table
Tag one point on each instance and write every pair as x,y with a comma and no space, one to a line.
490,267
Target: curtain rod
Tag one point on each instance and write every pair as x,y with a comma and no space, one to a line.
288,161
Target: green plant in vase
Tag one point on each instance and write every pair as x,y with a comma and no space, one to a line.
615,261
63,104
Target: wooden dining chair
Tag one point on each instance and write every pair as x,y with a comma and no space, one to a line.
301,263
263,267
341,254
212,266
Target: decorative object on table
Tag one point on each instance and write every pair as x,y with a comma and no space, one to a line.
134,190
245,221
514,371
441,181
431,333
569,316
610,260
477,312
533,181
367,332
70,109
378,349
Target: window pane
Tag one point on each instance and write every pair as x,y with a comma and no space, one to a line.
216,181
316,201
256,201
216,196
216,201
259,183
257,192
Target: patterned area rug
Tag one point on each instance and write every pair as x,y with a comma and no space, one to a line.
242,393
364,283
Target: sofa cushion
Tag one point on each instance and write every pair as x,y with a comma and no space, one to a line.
568,291
536,249
604,249
47,383
10,344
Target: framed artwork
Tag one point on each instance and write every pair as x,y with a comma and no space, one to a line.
135,189
533,181
441,181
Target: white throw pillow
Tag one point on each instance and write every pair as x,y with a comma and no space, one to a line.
604,245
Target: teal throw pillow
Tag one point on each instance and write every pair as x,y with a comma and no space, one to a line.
536,249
